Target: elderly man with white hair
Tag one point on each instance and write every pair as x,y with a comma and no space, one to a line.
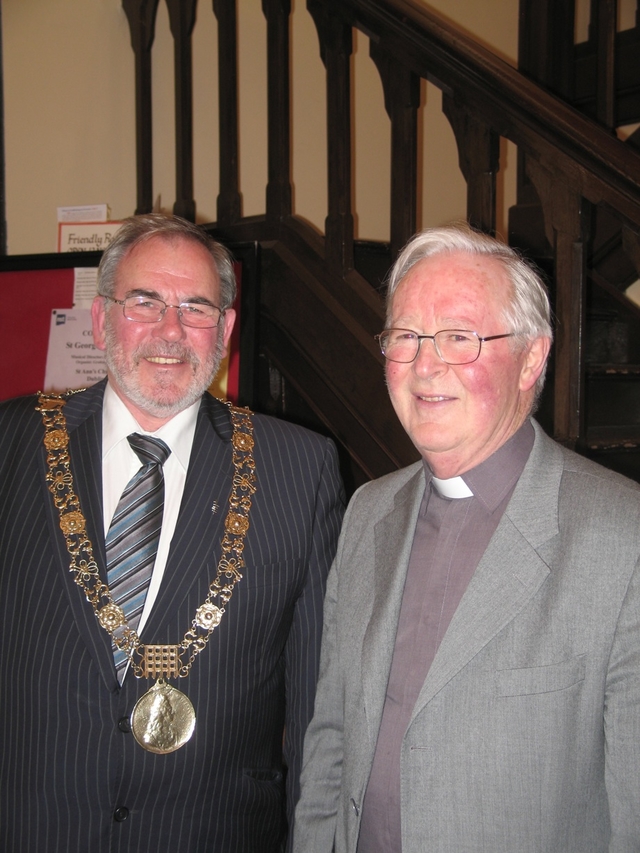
480,670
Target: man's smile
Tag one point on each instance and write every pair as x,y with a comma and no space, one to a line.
158,359
433,398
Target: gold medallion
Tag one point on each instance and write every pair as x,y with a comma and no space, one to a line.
163,719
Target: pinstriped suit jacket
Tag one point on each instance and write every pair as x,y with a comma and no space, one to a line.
525,737
68,764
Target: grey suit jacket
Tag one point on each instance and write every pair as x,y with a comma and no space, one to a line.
72,778
526,733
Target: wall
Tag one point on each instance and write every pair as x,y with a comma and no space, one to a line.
68,72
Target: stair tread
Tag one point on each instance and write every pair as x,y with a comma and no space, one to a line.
605,369
626,437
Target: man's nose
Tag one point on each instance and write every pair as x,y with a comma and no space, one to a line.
428,361
170,327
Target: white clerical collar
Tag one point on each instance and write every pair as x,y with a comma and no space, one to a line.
454,487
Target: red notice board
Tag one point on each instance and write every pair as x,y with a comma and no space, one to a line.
30,287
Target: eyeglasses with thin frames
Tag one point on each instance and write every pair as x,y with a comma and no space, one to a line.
145,309
453,346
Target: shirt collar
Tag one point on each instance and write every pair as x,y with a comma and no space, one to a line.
492,479
453,487
118,423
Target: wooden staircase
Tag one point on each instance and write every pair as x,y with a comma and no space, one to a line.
319,303
600,77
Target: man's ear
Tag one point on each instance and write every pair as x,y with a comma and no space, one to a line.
225,327
534,362
98,321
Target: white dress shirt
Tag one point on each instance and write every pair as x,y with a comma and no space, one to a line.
120,463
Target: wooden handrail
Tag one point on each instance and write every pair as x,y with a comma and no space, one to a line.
595,162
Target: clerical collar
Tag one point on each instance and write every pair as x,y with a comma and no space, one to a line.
454,487
492,479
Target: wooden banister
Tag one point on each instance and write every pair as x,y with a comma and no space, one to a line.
182,18
573,167
142,21
229,203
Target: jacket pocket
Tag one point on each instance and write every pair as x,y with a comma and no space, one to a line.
541,679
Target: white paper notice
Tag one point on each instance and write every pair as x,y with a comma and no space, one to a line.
84,213
73,360
85,286
86,236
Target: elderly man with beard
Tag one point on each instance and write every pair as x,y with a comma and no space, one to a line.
162,566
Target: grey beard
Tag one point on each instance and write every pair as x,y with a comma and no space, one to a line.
155,406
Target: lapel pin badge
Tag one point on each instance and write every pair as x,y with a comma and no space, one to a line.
214,507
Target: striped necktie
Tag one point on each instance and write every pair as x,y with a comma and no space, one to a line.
132,540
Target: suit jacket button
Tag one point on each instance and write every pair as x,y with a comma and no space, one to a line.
355,807
124,724
121,813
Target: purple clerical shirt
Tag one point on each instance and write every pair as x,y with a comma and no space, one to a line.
450,538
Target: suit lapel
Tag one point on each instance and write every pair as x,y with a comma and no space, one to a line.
393,542
83,413
510,572
195,546
508,575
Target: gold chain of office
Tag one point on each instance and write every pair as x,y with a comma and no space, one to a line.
153,661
